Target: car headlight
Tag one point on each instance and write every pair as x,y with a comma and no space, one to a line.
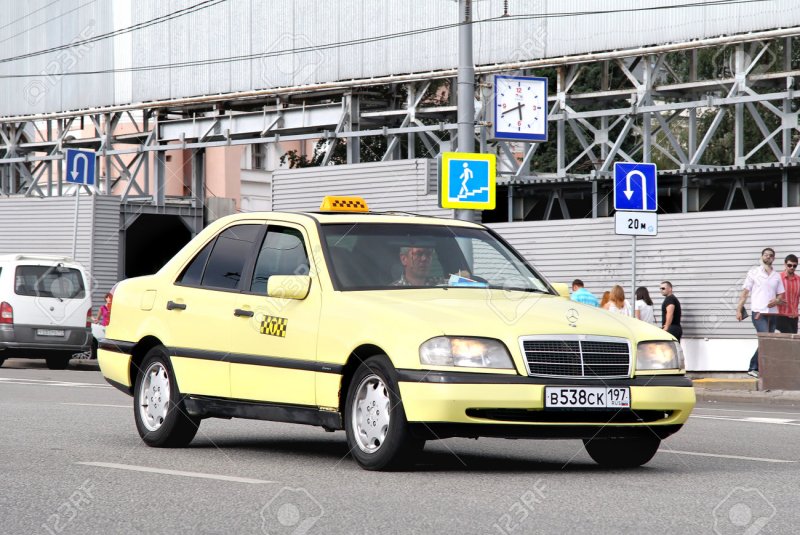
465,352
659,356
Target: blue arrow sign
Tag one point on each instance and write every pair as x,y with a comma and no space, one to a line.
80,166
635,187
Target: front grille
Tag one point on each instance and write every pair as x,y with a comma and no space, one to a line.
574,356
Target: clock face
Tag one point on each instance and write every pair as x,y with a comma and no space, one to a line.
520,108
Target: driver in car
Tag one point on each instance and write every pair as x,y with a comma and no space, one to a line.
416,262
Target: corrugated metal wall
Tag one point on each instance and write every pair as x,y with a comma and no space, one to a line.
404,185
46,226
36,25
704,255
241,28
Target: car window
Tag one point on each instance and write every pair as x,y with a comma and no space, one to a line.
193,273
282,253
49,281
228,257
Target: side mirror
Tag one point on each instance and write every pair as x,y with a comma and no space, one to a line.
561,287
289,286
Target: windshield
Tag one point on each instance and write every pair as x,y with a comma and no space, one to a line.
396,256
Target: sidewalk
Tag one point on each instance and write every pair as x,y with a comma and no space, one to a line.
740,388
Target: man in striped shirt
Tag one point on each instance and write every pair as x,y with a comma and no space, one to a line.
787,312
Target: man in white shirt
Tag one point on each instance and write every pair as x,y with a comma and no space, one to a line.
765,288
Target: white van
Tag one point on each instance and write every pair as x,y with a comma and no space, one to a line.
45,308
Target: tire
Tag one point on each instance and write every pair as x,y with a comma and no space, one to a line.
622,452
158,408
57,363
378,433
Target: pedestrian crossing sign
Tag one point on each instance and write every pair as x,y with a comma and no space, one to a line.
468,181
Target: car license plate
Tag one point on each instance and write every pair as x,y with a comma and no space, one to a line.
50,332
587,397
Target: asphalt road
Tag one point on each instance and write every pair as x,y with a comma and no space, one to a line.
71,462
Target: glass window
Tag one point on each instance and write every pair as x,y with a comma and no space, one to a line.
393,256
49,281
282,253
193,273
228,257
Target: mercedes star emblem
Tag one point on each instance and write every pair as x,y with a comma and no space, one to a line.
572,317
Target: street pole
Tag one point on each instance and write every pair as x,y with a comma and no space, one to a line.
466,89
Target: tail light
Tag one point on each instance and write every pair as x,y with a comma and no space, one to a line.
89,317
6,314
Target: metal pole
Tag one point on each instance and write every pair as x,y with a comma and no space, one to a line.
466,89
633,268
75,226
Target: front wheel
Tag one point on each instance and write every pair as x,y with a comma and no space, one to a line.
622,452
158,408
375,423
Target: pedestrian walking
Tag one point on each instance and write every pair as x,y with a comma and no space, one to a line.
765,288
643,307
670,311
582,295
786,322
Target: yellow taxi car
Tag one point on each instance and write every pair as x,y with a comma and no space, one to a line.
397,329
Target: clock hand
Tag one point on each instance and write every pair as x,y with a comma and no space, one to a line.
519,108
512,109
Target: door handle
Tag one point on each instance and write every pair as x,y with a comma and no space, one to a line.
172,305
238,312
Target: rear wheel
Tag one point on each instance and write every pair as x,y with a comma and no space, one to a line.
378,434
57,363
159,411
622,452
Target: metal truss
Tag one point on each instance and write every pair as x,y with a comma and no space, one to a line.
658,104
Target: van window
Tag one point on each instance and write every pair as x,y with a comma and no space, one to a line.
49,281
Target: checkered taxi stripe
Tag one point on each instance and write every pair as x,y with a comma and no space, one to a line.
274,326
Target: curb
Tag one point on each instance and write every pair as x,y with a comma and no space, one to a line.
784,398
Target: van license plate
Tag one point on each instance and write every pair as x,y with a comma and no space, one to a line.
50,332
599,397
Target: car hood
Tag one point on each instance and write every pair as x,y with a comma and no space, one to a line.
497,314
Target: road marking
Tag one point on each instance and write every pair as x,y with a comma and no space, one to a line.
44,382
148,469
721,456
749,419
747,411
98,405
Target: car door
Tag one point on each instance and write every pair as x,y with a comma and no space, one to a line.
276,339
198,310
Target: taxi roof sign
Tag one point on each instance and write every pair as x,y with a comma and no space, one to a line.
336,203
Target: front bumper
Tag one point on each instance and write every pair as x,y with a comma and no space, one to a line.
467,404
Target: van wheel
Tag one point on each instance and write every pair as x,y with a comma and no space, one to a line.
622,452
158,408
57,363
378,434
